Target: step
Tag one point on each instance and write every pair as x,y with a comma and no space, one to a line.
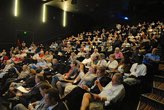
161,66
150,101
158,84
158,91
145,106
159,78
153,100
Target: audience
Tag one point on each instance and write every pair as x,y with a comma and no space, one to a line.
132,51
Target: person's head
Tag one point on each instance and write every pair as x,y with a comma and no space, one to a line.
92,69
117,79
39,78
95,50
43,88
101,70
154,50
73,54
117,50
25,67
74,64
54,61
8,62
87,56
102,56
111,57
52,97
139,59
46,53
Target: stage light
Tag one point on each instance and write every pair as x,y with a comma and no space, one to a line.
65,15
16,8
64,19
126,18
44,13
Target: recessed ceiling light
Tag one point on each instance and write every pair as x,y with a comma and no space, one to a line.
44,0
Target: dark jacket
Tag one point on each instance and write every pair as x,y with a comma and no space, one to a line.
61,106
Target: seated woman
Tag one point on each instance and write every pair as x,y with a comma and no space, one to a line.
82,79
71,74
118,54
113,92
112,64
74,98
123,66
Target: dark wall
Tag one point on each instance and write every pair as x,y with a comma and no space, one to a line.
29,20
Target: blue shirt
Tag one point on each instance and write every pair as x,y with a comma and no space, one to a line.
149,57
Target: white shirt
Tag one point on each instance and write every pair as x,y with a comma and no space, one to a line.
86,61
112,65
138,70
112,92
102,62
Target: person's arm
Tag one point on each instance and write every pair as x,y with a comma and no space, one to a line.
157,59
77,79
97,82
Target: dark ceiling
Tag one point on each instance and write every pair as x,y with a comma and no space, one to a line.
90,6
110,8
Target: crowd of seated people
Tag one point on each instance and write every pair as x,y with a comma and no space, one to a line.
79,67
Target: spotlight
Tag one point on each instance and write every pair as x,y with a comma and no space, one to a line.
16,8
126,18
44,13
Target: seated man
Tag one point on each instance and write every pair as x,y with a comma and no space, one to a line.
38,105
137,71
27,95
7,67
151,60
110,93
53,101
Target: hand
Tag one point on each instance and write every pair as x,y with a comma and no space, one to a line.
28,89
85,87
34,104
30,107
97,82
19,94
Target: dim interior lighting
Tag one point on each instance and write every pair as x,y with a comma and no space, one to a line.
16,8
64,19
44,13
65,15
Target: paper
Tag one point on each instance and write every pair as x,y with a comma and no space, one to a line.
22,89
